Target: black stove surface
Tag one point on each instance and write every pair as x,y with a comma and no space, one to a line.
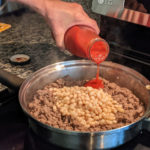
135,59
15,133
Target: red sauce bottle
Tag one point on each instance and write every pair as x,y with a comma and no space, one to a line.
84,42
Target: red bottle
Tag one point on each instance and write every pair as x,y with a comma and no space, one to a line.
84,42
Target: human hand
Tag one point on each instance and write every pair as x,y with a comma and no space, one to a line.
63,15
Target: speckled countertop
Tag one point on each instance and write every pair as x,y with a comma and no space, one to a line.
29,35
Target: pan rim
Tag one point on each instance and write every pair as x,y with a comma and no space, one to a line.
95,133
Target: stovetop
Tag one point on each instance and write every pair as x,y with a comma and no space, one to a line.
15,133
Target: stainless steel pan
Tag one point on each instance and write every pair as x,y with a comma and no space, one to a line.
82,69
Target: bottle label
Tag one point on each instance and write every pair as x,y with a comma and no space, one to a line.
107,7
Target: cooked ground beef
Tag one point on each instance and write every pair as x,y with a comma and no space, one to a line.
42,106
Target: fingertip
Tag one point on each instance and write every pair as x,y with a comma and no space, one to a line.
95,25
98,30
60,44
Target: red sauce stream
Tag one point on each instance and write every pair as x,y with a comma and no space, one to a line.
98,52
95,83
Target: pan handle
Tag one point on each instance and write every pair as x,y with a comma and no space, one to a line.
10,80
146,122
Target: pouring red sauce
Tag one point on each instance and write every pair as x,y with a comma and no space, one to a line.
84,42
95,83
98,53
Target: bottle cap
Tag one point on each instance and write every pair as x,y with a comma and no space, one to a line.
19,59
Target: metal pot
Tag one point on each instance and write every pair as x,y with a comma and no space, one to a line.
83,69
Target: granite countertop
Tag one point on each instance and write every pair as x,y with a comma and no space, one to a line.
29,35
